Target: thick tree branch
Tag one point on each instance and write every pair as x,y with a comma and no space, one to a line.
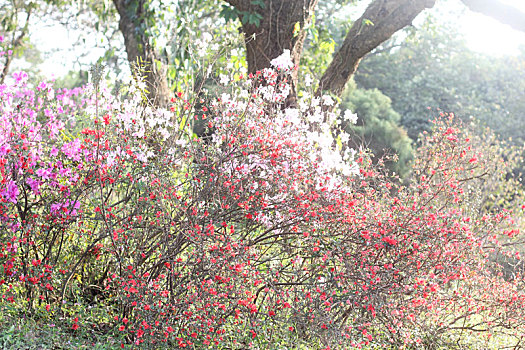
502,12
379,22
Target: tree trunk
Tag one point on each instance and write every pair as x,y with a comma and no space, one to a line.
379,22
142,57
276,32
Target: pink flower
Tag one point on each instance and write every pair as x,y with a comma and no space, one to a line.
42,86
72,149
20,76
34,184
12,192
44,173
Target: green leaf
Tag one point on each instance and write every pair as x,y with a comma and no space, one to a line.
228,13
259,3
245,17
254,18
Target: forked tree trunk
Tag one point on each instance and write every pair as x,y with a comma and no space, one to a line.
275,33
142,57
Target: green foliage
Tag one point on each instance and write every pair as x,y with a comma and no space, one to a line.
72,79
433,68
324,34
45,332
229,13
247,17
199,31
378,127
320,48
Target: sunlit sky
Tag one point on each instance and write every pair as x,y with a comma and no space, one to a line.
482,33
486,34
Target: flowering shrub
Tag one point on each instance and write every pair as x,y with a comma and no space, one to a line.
265,233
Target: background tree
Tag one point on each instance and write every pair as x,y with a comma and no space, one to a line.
91,26
378,128
265,234
165,42
433,68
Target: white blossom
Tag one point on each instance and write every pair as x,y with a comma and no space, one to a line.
344,137
284,61
351,117
308,80
328,100
181,142
315,117
292,115
223,79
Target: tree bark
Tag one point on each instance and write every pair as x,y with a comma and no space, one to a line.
379,22
504,13
275,32
142,57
